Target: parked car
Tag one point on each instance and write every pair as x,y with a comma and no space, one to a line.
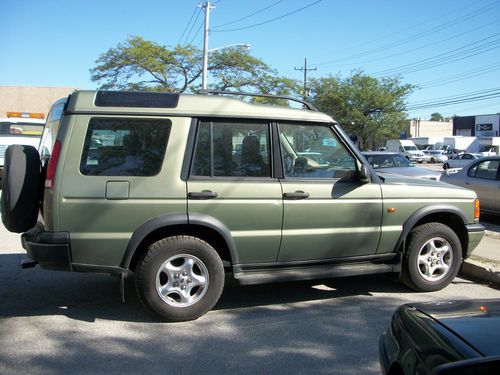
395,163
184,189
482,176
448,337
434,156
405,147
461,160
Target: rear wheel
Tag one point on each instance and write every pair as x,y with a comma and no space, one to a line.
180,278
446,166
21,190
432,258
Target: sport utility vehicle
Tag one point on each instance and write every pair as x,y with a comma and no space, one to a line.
182,189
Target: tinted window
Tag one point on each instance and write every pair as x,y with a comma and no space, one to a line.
487,169
124,147
232,149
314,152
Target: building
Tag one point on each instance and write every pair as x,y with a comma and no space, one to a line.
30,99
435,129
478,126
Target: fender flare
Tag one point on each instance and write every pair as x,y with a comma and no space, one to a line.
422,212
164,221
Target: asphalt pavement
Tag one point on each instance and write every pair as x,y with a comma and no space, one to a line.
59,322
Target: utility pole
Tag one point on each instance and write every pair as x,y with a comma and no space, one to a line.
207,6
305,69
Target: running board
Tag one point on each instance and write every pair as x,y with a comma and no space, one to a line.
311,273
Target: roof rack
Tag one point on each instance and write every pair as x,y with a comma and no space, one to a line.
307,105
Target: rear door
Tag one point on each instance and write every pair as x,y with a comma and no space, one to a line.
483,177
232,181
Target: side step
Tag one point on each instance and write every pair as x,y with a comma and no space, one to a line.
311,273
28,263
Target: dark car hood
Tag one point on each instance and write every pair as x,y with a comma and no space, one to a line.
476,322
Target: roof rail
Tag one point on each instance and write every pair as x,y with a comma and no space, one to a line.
307,105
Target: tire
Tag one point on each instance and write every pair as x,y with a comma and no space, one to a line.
432,259
180,278
433,160
21,190
446,166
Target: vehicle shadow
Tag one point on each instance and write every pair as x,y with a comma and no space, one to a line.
87,297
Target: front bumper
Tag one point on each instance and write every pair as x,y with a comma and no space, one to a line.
475,233
51,250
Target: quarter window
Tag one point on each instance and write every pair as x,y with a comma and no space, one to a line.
232,149
314,151
124,147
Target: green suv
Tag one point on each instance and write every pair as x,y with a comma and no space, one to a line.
182,190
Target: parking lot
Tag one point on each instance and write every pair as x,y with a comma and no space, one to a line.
56,322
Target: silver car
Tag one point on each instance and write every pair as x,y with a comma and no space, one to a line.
461,160
482,176
396,164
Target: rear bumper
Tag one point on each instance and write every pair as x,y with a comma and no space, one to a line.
51,250
475,233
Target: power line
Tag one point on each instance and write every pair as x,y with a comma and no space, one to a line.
461,76
305,69
417,35
249,16
189,22
192,26
271,20
456,54
456,99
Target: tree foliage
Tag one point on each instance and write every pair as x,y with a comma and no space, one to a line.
368,108
143,65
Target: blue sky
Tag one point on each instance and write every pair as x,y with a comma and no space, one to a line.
449,48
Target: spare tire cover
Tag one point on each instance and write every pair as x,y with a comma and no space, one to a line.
21,188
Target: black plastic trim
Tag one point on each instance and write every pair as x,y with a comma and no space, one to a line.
421,213
312,272
145,229
474,228
189,153
78,267
49,249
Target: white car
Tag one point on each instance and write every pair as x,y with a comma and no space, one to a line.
434,156
461,160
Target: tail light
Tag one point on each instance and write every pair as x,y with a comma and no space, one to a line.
476,209
52,167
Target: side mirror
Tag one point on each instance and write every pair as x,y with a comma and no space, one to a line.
364,174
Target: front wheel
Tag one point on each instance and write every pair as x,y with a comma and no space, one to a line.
180,278
432,258
446,166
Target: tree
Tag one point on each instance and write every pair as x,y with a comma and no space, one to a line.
143,65
366,107
436,116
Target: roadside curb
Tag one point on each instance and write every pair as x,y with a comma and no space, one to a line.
484,272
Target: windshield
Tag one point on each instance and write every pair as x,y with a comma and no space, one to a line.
22,129
410,148
388,161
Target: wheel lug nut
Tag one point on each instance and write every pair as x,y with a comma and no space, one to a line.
184,273
429,260
189,281
176,275
183,287
176,284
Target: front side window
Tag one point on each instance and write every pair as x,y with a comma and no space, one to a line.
314,151
232,149
124,147
487,169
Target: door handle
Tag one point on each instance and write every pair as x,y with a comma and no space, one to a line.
296,195
201,195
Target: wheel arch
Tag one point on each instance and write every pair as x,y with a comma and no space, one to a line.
448,215
201,226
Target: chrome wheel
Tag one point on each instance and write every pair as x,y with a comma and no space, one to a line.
434,259
182,280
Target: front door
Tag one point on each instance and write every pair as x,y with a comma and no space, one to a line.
328,212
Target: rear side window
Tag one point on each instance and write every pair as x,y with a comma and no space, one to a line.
124,147
232,148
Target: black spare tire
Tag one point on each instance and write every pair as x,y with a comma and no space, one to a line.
21,188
